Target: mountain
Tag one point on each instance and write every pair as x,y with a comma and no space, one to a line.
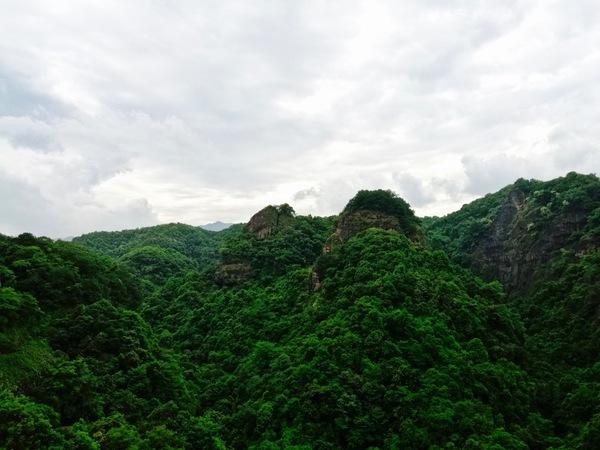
541,239
371,329
216,226
192,242
513,235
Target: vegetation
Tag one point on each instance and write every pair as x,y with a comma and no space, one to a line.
194,243
546,208
126,340
561,304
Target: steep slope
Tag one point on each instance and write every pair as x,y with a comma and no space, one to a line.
78,364
400,347
375,209
513,234
541,239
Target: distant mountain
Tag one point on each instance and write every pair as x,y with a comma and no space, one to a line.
216,226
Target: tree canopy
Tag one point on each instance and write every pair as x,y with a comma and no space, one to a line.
128,339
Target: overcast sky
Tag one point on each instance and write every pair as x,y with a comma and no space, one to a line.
119,114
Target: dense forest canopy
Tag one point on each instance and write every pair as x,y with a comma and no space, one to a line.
174,337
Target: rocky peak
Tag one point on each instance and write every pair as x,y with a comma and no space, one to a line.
350,224
375,209
269,219
370,209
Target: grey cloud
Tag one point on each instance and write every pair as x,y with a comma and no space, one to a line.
413,190
209,110
490,174
28,132
26,209
311,192
573,152
20,97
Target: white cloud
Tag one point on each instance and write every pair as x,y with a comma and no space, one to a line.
118,114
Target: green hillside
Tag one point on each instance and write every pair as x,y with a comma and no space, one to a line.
368,330
541,239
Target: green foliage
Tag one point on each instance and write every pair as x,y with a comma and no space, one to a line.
193,242
59,274
381,356
25,424
286,249
17,308
286,210
457,234
547,208
155,264
133,344
560,308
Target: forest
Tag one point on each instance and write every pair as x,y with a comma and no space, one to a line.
372,329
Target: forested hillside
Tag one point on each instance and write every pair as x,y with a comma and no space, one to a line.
541,239
372,329
194,243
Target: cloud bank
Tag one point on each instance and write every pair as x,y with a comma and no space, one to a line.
125,114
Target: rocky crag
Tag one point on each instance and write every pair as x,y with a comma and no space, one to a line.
233,270
269,219
512,235
368,209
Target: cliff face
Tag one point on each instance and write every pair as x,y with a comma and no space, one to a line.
268,219
237,265
368,209
352,223
514,234
520,240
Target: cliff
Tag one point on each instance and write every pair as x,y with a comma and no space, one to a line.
514,234
375,209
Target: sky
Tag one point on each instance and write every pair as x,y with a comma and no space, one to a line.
117,115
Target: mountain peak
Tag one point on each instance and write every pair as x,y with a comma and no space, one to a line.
216,226
271,217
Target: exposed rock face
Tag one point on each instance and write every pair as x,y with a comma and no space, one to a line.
235,270
353,223
232,274
268,219
369,209
512,250
350,224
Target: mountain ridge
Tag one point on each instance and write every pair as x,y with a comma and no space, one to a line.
143,339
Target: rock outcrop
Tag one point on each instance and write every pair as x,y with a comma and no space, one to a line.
351,223
270,218
517,243
236,268
370,209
